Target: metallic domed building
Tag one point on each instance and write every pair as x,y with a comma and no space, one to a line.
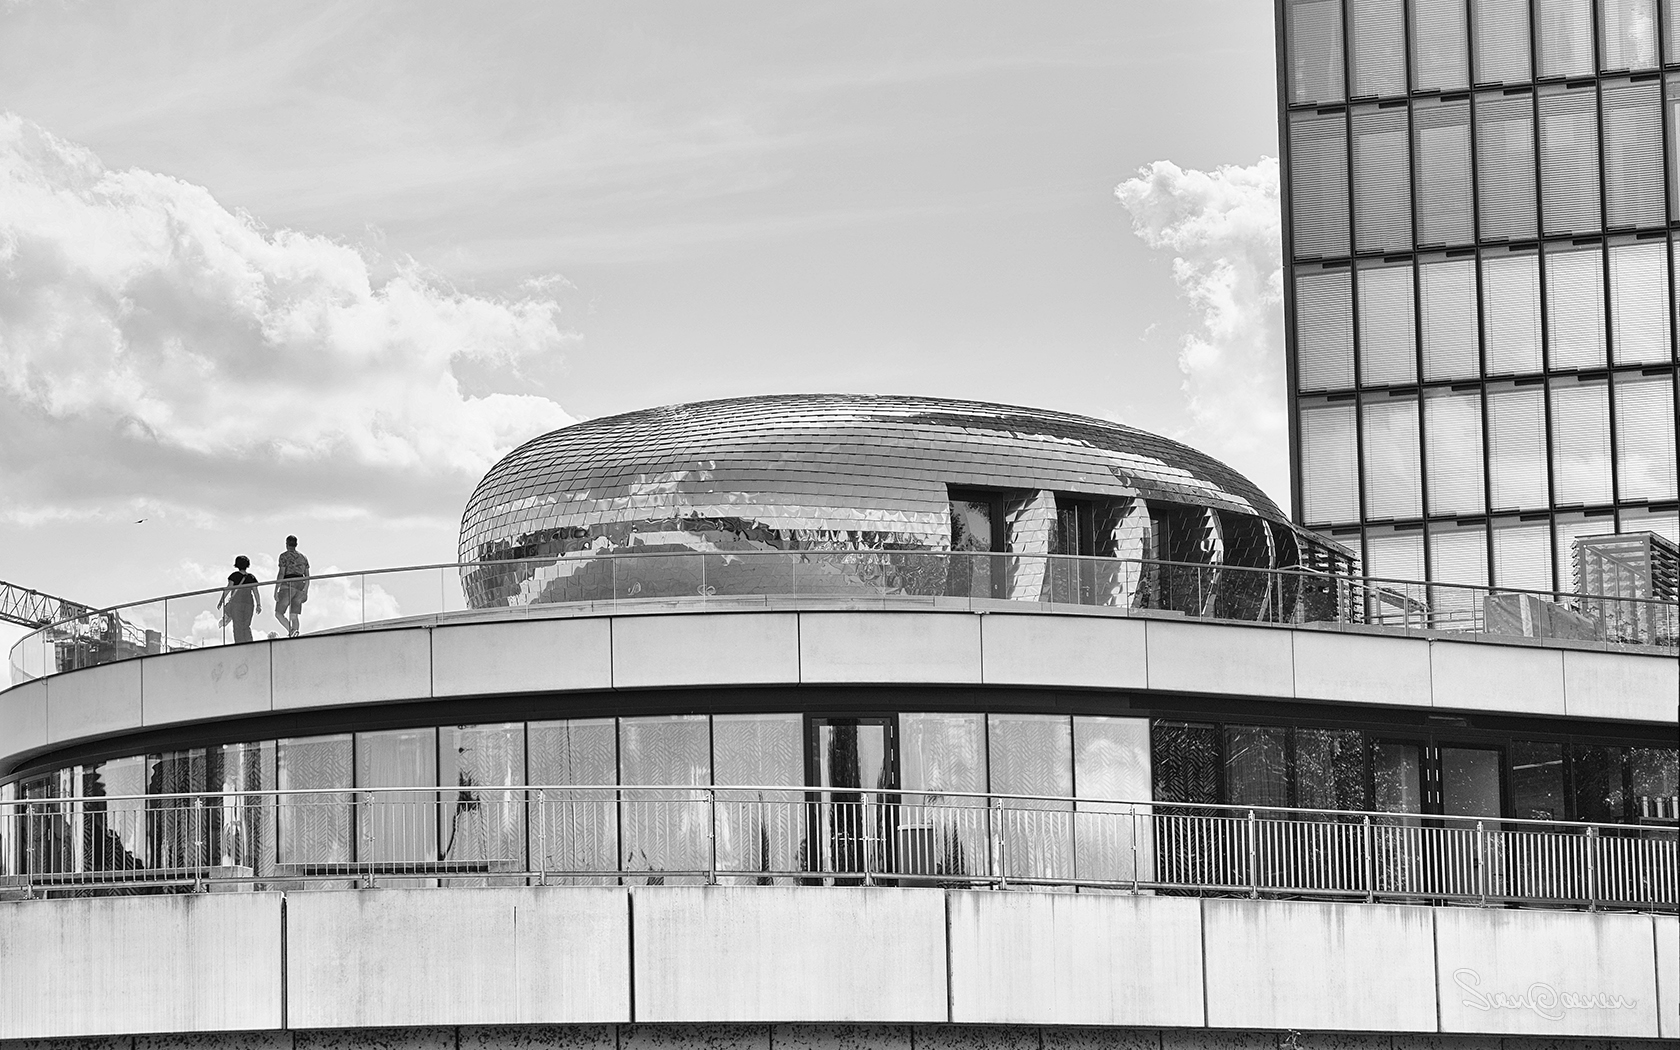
864,473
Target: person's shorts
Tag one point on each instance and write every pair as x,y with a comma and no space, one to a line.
289,597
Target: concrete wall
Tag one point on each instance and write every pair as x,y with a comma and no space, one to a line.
958,647
1209,971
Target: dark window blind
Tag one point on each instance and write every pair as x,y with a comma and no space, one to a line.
1379,47
1575,308
1443,152
1633,161
1517,448
1393,468
1581,442
1452,431
1458,554
1315,50
1639,303
1645,457
1522,556
1387,343
1329,464
1628,34
1324,329
1447,294
1569,160
1501,31
1565,33
1382,202
1511,313
1318,183
1505,166
1440,45
1394,555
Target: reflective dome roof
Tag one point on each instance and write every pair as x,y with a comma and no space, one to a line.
830,471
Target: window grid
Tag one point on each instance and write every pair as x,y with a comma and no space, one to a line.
1606,114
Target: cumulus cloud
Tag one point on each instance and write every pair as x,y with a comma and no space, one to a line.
1222,227
159,350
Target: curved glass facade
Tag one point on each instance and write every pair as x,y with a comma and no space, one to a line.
861,473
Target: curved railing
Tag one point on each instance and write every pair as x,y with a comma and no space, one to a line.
592,580
502,835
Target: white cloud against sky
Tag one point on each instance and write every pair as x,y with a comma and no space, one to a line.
308,268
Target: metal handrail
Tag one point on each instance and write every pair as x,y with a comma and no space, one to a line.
817,835
1221,592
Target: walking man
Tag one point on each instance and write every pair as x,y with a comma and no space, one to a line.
291,589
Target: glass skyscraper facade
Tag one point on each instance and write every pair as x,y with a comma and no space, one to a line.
1482,199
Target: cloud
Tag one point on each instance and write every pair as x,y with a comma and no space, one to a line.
1222,227
160,351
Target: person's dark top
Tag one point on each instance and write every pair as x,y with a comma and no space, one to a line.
241,579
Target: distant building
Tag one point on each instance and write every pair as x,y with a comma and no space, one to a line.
1480,278
845,722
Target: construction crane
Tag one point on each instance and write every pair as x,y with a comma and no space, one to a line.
31,608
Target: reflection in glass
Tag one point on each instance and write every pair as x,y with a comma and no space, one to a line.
1581,443
1511,313
1522,555
1453,441
1318,184
576,831
1396,777
1569,188
1445,212
1440,49
1639,302
1377,59
1645,455
1257,765
397,825
1324,329
665,830
1033,755
482,771
943,753
1564,29
1595,775
1654,782
1315,50
1517,447
1537,780
1628,31
113,833
1387,350
1393,487
856,827
314,829
1329,463
1330,769
759,830
1382,179
1185,762
178,830
1633,152
1111,761
1501,31
1470,782
1505,166
245,827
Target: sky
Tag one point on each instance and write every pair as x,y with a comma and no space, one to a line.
310,268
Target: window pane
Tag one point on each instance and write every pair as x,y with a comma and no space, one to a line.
1448,289
1387,348
1575,308
1453,429
1391,459
1324,329
1397,775
314,828
1318,184
665,830
243,833
1443,145
1537,780
1511,313
1394,555
1379,46
1315,50
1033,755
579,829
1185,762
1111,761
1569,160
1382,179
1440,50
1672,84
1505,166
1257,765
1458,555
1329,456
1581,442
762,830
1330,769
1633,168
1517,448
942,753
1522,555
1645,437
1565,33
1568,529
482,772
397,825
1654,780
1596,780
1501,28
114,833
1628,30
1639,302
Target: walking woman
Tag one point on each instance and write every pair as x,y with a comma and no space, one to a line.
239,599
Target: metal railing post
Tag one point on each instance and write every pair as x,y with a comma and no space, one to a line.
1135,858
711,820
541,816
1592,869
1481,862
864,841
996,835
1370,865
367,836
1253,826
